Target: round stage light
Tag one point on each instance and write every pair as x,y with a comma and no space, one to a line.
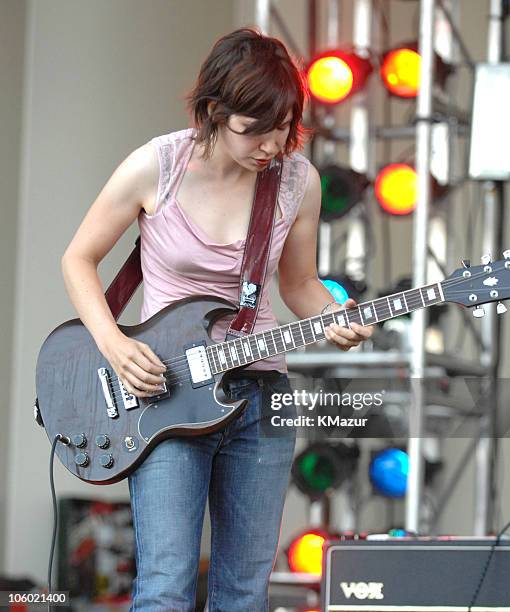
337,290
388,471
400,72
341,189
334,75
396,189
304,554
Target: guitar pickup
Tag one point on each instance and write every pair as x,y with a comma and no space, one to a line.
130,400
109,398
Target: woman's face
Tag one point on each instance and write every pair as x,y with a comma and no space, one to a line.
253,151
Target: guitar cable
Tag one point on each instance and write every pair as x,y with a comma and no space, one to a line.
65,440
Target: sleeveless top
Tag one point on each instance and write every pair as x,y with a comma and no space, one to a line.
180,260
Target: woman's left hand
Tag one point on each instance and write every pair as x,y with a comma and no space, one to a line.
343,337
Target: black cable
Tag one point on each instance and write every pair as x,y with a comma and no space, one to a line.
486,567
64,440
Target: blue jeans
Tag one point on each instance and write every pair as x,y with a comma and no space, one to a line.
245,474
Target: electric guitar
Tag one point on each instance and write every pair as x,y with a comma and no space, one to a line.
107,432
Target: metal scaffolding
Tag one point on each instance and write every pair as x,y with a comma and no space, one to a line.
361,138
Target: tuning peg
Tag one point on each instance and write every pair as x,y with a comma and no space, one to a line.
501,308
506,254
486,259
478,312
466,263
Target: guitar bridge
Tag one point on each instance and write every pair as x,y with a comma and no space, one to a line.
109,398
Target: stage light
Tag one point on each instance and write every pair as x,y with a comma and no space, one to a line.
338,292
304,554
342,188
388,471
333,76
400,72
323,466
342,287
396,189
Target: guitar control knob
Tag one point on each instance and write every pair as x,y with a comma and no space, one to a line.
79,440
106,460
465,263
486,259
506,254
103,441
82,459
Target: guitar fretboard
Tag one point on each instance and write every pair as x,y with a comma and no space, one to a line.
231,354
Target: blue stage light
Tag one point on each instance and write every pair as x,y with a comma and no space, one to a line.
338,292
388,472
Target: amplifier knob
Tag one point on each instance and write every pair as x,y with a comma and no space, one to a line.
103,441
106,460
82,459
79,440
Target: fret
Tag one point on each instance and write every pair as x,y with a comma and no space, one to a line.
415,300
389,306
327,319
246,349
347,319
354,316
398,304
318,327
421,296
369,313
432,294
239,352
287,337
405,300
261,343
298,339
340,318
228,356
280,347
221,355
214,359
254,348
382,309
268,336
233,353
306,330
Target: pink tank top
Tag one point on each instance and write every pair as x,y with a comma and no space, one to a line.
180,260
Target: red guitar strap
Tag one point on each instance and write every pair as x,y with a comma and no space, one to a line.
253,267
257,248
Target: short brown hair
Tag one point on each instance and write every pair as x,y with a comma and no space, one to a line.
250,74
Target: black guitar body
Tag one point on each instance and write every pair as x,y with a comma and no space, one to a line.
107,443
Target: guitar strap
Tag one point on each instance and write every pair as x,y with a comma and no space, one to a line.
253,267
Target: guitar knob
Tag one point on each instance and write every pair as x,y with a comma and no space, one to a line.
506,254
103,441
501,308
82,459
79,440
466,263
486,259
478,312
106,460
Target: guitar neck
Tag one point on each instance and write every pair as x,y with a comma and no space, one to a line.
247,349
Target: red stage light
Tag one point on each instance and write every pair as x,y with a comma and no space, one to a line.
396,189
400,72
335,75
305,552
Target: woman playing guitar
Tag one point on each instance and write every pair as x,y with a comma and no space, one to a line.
191,192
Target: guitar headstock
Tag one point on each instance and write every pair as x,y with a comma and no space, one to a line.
477,285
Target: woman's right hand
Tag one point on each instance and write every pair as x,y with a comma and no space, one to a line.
139,369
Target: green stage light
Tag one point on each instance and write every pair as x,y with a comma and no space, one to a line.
342,188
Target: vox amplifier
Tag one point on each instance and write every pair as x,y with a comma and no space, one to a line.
415,575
